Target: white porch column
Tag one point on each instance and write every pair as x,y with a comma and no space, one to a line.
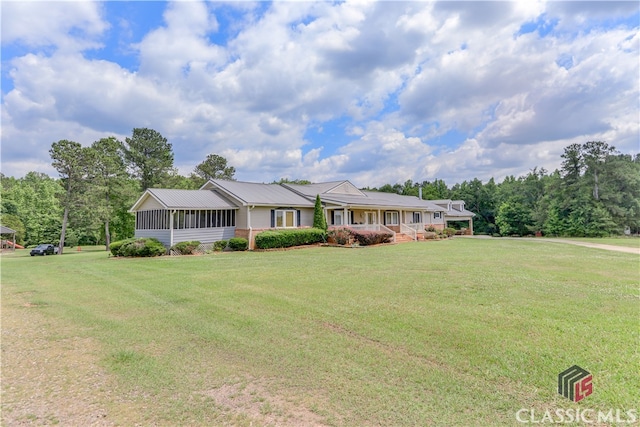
346,217
171,228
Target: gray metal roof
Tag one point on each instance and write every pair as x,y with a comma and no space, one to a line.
252,193
459,212
190,199
312,190
6,230
368,198
223,194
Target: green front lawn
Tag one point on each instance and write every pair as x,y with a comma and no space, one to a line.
455,332
631,242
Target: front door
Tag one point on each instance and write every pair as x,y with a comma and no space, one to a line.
370,217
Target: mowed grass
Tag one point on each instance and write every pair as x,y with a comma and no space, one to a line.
456,332
631,242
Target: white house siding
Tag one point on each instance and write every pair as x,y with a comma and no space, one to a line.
306,218
163,235
241,217
346,188
149,204
429,219
203,235
261,217
408,216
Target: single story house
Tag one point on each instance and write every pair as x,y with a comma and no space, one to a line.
222,209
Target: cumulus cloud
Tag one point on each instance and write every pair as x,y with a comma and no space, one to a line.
64,25
449,90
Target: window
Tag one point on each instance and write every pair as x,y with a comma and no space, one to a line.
337,218
369,217
156,219
417,217
196,219
391,218
437,215
285,218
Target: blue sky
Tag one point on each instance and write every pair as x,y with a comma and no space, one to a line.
373,92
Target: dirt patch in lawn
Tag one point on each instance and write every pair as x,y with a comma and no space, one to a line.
250,398
51,377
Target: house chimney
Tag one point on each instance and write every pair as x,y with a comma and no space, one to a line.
420,192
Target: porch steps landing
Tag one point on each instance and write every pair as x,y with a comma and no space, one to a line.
403,238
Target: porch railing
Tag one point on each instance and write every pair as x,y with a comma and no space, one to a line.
417,226
409,231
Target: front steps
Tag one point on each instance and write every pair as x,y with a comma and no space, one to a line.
403,238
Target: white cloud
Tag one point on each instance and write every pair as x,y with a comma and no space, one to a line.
399,75
72,26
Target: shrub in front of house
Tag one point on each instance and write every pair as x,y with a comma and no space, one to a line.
114,247
238,244
271,239
430,235
186,248
339,235
365,237
449,231
220,245
142,247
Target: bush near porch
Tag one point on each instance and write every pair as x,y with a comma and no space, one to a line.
271,239
347,235
186,248
366,238
142,247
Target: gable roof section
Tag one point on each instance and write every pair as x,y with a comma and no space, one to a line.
251,193
322,188
184,199
453,207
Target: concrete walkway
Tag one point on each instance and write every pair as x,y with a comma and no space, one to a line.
625,249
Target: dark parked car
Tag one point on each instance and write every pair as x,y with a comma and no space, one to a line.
46,249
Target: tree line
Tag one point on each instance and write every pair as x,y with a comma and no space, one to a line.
596,192
89,202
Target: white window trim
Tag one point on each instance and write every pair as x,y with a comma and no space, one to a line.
283,212
338,214
390,215
437,215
